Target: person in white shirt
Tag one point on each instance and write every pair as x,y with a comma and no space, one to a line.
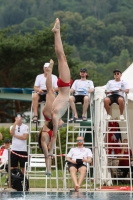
77,159
5,148
115,90
82,88
19,133
41,90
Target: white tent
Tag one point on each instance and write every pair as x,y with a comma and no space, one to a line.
100,112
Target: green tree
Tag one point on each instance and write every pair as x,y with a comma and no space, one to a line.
29,23
23,57
124,60
115,44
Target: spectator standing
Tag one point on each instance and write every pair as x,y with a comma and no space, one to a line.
19,133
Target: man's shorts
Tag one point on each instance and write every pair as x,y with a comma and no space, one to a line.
15,159
114,98
79,98
42,96
77,166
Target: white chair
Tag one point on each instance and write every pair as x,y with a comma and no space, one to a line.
67,177
36,169
2,168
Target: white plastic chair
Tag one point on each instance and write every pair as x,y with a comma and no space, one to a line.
67,176
36,169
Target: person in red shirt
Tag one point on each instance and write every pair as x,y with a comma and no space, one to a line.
114,136
4,153
4,149
125,162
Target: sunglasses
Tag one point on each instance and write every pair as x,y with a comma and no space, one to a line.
18,129
83,72
117,73
79,140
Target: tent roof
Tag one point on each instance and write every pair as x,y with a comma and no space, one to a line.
127,75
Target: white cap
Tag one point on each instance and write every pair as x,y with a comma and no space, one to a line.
46,64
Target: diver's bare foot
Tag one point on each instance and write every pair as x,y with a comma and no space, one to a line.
60,123
56,27
50,67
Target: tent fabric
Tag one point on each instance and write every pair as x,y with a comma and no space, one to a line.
127,75
100,112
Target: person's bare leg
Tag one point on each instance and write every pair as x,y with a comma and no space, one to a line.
82,171
107,105
60,123
64,72
73,172
44,142
50,93
22,169
85,105
121,105
73,106
49,76
55,128
35,99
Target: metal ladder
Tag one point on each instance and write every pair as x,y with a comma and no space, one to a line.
105,158
84,129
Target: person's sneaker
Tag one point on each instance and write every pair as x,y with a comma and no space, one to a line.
109,117
122,117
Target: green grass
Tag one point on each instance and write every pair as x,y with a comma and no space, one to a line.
41,183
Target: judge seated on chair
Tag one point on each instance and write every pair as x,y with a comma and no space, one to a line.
82,88
77,159
115,90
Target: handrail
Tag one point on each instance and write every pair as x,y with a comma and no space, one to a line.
17,90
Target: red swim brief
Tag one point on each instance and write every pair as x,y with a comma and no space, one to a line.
46,118
60,83
49,133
